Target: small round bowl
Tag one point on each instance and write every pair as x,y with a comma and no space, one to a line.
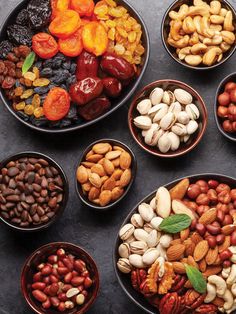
165,29
116,103
38,256
171,85
219,121
65,185
79,191
124,279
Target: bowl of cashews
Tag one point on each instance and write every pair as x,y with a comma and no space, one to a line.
200,34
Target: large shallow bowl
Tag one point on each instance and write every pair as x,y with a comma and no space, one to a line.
126,94
60,211
219,121
165,29
168,85
36,258
124,279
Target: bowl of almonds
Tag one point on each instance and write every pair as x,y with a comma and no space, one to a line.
105,173
199,34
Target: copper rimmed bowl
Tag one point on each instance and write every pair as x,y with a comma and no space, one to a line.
168,85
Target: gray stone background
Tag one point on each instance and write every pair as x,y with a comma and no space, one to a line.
96,232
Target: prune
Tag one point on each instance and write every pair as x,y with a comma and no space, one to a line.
20,35
87,66
23,18
46,72
95,108
8,82
41,90
39,13
112,87
5,47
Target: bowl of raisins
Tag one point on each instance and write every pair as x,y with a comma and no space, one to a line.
65,65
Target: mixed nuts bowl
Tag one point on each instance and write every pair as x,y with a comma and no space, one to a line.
163,264
167,118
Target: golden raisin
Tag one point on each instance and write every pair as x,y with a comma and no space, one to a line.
19,91
111,3
132,37
28,83
27,94
119,49
38,112
36,101
101,9
41,82
36,72
30,76
111,33
20,106
29,110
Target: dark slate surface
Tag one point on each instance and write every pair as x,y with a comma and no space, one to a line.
96,232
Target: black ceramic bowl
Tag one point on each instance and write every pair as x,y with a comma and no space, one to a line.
165,29
40,255
124,279
219,121
126,94
78,187
63,203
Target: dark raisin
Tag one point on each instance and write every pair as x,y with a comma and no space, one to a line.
60,76
72,114
66,65
63,86
71,80
24,51
56,64
8,82
20,35
73,68
29,100
61,57
39,13
41,90
65,122
48,63
39,65
22,115
46,72
23,18
5,47
10,64
40,122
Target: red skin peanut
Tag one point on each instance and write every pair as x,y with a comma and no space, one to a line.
233,238
225,255
39,295
77,281
39,286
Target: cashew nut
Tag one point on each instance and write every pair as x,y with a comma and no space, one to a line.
215,27
219,283
199,10
197,23
211,56
188,25
183,11
225,272
228,37
217,19
193,60
215,7
223,12
233,289
232,249
181,43
182,53
229,300
201,3
224,46
205,27
198,49
211,293
175,28
216,40
231,309
228,22
194,39
232,276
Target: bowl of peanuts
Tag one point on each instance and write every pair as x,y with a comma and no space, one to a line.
199,34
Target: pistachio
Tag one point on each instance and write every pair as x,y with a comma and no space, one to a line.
183,117
156,95
144,106
126,231
136,261
138,247
175,141
137,221
155,222
130,239
153,203
124,250
168,97
192,111
161,111
165,240
146,212
148,227
167,121
192,127
124,266
143,122
164,143
155,109
141,234
150,256
179,129
163,202
151,137
185,138
175,107
183,97
153,238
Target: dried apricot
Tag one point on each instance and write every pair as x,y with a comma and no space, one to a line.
72,46
59,6
83,7
95,38
65,24
44,45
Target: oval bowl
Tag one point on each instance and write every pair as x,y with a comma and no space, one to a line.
171,85
124,280
126,94
66,191
36,257
78,188
165,28
220,89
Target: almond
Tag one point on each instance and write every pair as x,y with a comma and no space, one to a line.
179,207
201,250
125,160
95,180
125,178
90,153
116,193
179,190
109,184
93,193
102,148
113,154
176,241
104,179
212,270
192,262
88,164
116,162
82,174
208,217
202,265
190,247
98,169
174,253
178,268
228,229
117,174
184,234
196,238
218,261
105,198
212,255
115,147
108,166
94,158
225,245
86,186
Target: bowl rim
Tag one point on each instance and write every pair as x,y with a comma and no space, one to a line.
66,189
92,262
106,114
217,119
128,216
133,167
197,68
181,85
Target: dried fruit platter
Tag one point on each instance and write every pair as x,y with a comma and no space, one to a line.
93,65
150,258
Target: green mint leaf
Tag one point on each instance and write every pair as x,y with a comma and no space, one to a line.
196,278
175,223
29,61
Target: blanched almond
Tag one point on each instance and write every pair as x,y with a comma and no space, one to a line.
125,160
95,179
116,193
82,174
163,201
93,193
125,178
105,197
94,158
113,154
108,166
102,148
99,170
109,184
